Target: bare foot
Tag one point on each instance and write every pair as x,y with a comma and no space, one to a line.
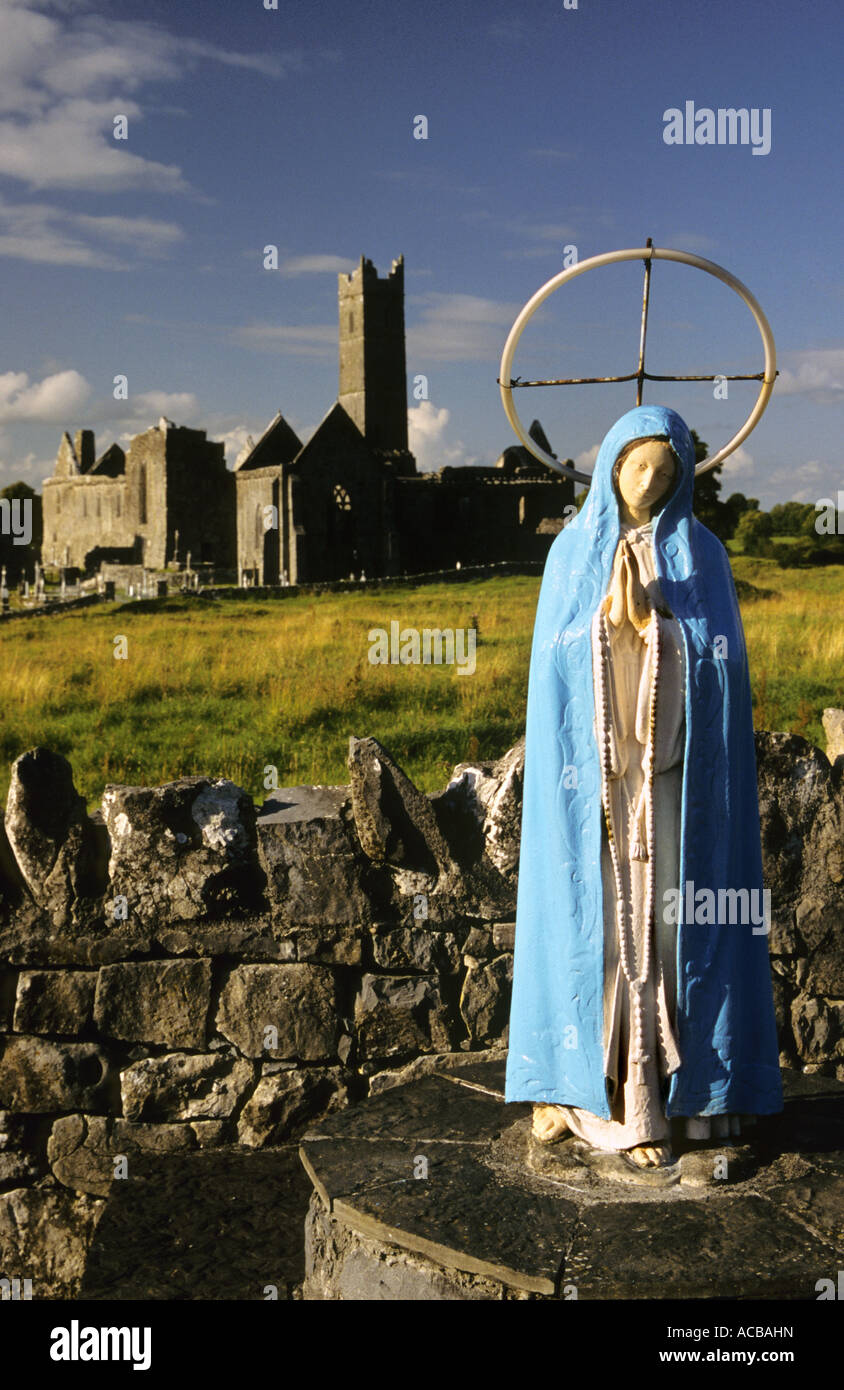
548,1123
651,1155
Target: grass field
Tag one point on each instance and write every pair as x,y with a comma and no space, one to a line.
230,687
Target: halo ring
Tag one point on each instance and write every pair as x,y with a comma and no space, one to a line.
634,254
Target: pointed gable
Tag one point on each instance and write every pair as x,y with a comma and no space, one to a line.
278,444
336,432
111,463
67,464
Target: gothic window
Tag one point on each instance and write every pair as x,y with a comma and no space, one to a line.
99,505
142,489
58,503
117,504
351,323
84,505
522,509
342,500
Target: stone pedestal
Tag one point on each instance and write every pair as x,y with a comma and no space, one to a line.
436,1191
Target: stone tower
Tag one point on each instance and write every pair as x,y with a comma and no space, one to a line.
373,384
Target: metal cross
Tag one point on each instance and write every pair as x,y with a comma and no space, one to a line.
640,376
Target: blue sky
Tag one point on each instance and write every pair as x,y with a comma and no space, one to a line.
294,127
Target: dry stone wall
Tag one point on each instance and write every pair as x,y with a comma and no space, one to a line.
183,970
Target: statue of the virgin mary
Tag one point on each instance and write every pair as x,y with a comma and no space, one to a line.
630,1005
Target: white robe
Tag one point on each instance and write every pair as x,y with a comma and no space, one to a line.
637,1106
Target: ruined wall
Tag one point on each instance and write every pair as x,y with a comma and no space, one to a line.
200,502
467,516
261,554
171,479
183,969
337,504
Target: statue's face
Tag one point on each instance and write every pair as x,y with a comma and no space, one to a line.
646,474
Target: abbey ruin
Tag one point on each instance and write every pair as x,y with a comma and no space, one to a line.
349,501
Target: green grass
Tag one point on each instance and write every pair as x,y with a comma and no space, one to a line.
230,687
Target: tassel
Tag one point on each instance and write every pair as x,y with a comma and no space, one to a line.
638,850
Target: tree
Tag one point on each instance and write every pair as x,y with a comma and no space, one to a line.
753,533
706,503
789,518
20,559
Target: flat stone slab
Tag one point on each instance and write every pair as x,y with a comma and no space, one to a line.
428,1196
442,1169
432,1108
736,1247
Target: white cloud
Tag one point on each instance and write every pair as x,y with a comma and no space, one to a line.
305,265
798,482
585,461
52,139
71,146
740,464
42,233
60,398
459,328
182,407
427,425
818,373
29,469
47,401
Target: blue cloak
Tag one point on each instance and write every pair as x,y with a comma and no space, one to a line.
725,1027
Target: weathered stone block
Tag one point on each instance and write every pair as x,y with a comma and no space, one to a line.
482,810
801,810
297,1000
45,1235
478,943
485,1001
395,821
343,1265
210,1134
820,926
183,851
129,1138
50,833
38,1076
161,1001
833,727
179,1086
283,1101
82,1149
309,857
54,1001
818,1026
333,945
504,936
399,1014
78,1151
415,948
21,1160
